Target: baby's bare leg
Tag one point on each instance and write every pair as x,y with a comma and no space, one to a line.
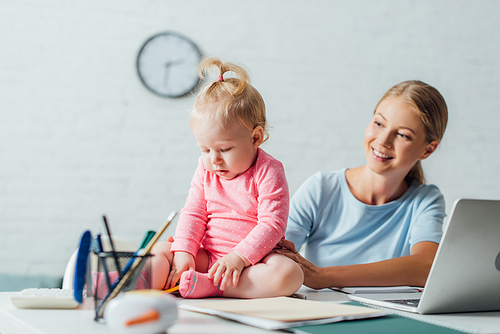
160,263
275,276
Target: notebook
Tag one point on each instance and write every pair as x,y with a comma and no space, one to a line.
465,274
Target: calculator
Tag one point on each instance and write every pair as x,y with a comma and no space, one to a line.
45,298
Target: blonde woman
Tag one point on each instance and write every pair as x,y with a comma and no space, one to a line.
378,224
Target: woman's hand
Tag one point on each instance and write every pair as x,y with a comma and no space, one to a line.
229,269
182,262
311,272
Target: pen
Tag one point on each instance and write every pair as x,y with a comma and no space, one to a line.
112,246
299,296
99,243
104,264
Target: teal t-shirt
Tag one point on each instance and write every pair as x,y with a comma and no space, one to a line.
338,229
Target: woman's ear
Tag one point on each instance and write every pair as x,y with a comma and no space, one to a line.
257,136
431,147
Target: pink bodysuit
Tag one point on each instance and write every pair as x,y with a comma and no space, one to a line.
247,214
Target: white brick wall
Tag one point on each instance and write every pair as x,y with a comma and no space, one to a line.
81,137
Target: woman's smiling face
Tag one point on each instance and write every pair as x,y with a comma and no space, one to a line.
395,138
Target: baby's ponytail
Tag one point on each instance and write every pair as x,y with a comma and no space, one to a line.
241,80
237,99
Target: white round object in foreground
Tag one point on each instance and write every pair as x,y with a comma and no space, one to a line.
141,312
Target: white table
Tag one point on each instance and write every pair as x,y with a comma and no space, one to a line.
81,320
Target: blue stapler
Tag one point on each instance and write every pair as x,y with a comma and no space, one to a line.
82,264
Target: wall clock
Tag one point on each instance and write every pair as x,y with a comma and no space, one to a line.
167,64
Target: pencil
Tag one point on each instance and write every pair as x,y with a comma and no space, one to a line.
175,288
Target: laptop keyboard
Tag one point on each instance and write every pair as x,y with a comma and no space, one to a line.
409,302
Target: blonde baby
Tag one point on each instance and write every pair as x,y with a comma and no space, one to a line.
237,208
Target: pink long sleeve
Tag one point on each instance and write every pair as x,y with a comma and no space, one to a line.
247,214
272,211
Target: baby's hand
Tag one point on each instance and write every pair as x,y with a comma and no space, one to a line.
182,262
228,268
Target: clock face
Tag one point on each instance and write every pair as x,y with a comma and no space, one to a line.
168,65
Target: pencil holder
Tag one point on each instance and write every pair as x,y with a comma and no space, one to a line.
108,275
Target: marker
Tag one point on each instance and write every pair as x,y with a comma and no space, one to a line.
147,238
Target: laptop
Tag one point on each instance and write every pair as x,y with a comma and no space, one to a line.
465,274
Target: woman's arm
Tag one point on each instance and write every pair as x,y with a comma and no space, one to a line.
406,270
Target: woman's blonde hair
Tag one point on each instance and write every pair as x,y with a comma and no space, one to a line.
237,99
432,109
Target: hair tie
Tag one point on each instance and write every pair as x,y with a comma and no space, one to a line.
221,78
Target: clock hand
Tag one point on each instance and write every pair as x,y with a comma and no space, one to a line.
165,76
168,65
174,62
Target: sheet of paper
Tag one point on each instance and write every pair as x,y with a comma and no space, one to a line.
282,312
